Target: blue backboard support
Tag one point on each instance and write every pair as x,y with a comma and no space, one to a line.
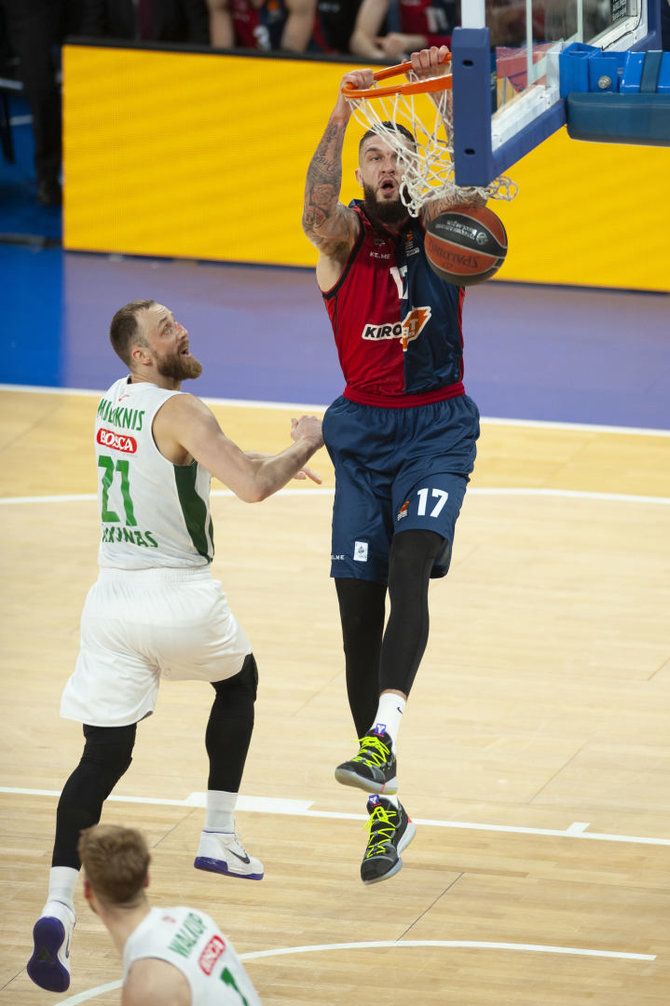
495,125
475,161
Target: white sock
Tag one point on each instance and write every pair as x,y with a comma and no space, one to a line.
62,882
389,714
220,815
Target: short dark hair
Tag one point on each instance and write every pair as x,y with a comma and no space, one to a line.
123,329
392,127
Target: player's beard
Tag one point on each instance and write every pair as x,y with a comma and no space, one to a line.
178,367
385,212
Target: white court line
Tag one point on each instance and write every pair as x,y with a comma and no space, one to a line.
83,997
251,404
536,948
559,493
303,808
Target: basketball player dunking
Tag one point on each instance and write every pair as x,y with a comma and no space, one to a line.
402,438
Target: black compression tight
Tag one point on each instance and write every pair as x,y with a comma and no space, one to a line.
362,616
378,660
231,723
106,756
108,753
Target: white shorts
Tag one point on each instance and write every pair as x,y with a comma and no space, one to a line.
139,626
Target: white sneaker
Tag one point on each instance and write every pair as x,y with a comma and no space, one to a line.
222,852
49,966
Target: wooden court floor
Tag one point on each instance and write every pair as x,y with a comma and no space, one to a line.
534,754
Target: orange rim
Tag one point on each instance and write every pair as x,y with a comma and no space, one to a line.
407,87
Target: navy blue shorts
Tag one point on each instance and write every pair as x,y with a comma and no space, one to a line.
395,470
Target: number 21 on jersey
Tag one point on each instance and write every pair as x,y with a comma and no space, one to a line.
108,469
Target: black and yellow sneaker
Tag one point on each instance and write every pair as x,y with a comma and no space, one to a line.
391,831
373,769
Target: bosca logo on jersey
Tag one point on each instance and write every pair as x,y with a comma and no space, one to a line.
211,954
406,330
117,441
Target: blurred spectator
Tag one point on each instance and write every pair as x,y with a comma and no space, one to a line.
35,30
552,21
334,24
147,20
561,20
422,23
262,24
506,21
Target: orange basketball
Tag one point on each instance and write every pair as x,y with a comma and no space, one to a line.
466,246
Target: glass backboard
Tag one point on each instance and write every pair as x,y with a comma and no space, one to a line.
506,71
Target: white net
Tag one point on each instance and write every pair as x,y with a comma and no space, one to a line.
428,169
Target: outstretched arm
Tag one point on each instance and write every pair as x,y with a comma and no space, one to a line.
329,225
326,222
332,227
185,428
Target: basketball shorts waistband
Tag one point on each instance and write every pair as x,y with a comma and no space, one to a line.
155,574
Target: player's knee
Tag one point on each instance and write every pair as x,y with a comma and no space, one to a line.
358,599
245,680
416,548
108,751
362,611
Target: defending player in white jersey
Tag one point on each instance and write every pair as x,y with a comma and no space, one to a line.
176,956
155,611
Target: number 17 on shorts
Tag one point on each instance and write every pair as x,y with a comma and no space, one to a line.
432,505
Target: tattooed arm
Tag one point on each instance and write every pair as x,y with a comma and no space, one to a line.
329,225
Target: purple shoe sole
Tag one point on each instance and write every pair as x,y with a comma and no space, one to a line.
219,866
44,968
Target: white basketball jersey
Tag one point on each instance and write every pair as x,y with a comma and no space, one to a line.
193,943
152,513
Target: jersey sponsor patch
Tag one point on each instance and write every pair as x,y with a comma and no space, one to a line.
117,441
413,324
406,330
210,954
375,333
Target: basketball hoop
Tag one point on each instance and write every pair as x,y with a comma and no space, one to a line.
428,169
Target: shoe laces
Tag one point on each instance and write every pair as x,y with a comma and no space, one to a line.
373,751
381,826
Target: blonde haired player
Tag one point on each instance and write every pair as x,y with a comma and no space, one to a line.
171,956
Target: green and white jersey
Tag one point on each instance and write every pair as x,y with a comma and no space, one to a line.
153,513
191,941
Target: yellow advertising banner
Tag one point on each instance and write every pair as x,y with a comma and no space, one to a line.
203,155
